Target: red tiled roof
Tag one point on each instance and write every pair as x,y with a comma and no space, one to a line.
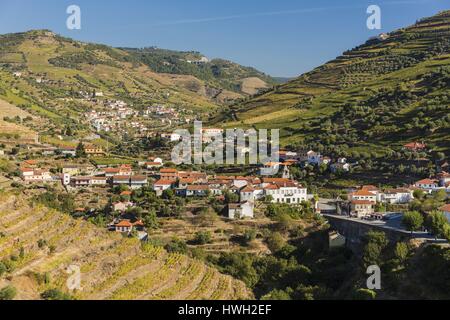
426,181
168,170
163,182
197,188
363,193
446,208
415,145
124,223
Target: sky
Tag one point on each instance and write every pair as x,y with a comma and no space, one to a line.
280,37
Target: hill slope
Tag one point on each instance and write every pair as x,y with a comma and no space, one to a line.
377,96
38,244
217,73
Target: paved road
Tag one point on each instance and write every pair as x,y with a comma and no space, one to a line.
391,224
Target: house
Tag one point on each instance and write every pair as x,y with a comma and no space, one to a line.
123,170
35,175
415,146
168,174
161,185
93,150
286,192
363,194
428,185
175,137
397,196
335,167
121,180
314,158
68,151
362,208
446,210
270,168
197,191
137,182
326,160
183,183
444,178
122,206
153,165
124,226
99,181
70,169
79,182
241,210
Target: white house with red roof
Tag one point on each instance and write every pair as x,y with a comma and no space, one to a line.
363,194
428,185
161,185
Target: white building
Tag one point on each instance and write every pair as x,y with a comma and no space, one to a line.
162,185
397,196
241,210
287,192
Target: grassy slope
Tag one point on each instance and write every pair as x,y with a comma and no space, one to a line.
70,64
217,73
353,79
112,267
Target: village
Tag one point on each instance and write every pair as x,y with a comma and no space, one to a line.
117,185
116,116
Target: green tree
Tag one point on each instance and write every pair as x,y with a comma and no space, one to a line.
436,223
364,294
202,237
80,152
412,221
275,241
401,251
8,293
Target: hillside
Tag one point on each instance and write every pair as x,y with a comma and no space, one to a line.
389,91
38,244
217,73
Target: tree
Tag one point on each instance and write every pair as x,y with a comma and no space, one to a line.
80,152
401,251
202,237
168,194
151,220
176,245
231,197
55,294
8,293
436,223
275,241
375,244
412,221
364,294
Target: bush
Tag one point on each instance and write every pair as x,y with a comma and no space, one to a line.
55,294
364,294
202,237
8,293
176,245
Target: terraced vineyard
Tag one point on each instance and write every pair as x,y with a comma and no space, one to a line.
398,85
38,244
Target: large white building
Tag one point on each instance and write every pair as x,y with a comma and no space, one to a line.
281,190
